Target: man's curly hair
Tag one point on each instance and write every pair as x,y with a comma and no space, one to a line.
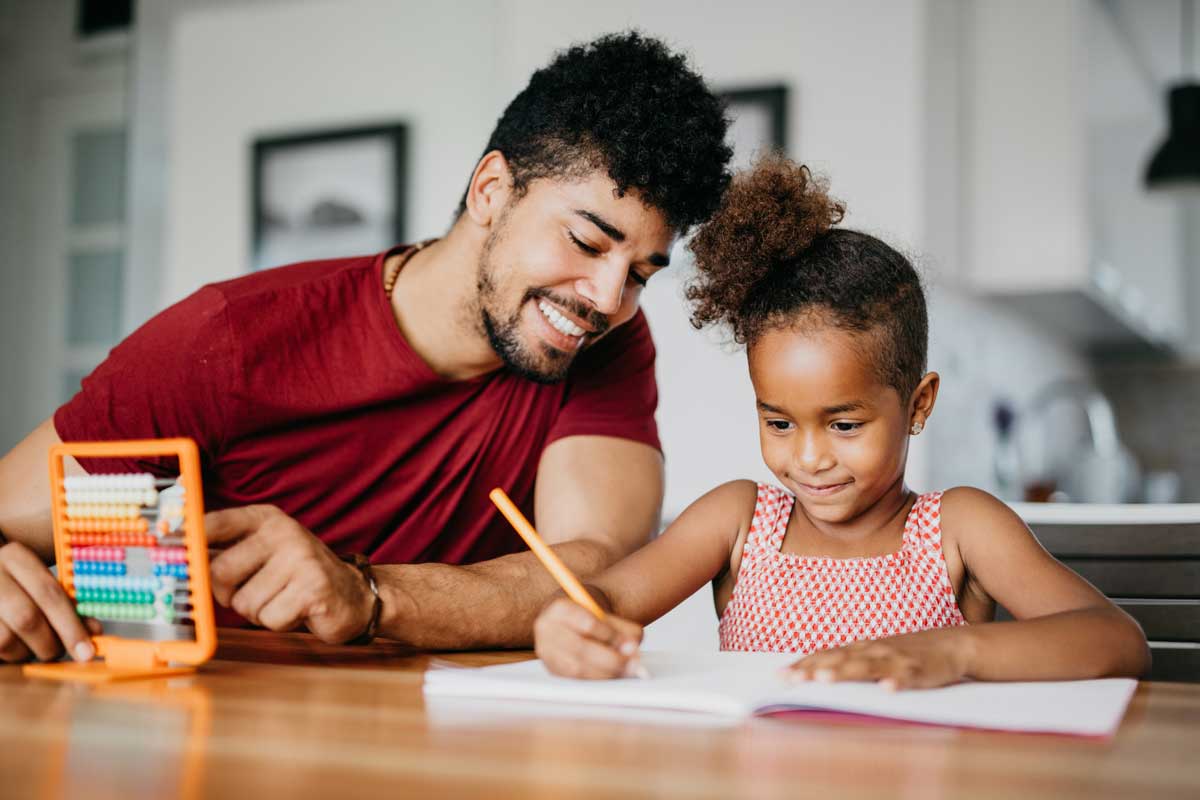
628,106
770,258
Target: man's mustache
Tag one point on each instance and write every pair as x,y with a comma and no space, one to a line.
595,320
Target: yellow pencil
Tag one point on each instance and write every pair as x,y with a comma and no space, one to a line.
566,579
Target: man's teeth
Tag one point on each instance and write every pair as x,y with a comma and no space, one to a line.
560,323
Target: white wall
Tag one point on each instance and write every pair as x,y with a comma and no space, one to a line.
244,71
42,66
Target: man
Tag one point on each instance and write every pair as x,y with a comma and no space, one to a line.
367,405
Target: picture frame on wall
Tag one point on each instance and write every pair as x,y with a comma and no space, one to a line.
327,194
758,122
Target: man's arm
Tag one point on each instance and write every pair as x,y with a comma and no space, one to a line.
598,499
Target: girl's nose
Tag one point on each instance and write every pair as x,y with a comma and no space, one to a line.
812,456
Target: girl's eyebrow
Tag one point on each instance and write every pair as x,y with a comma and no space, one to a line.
844,407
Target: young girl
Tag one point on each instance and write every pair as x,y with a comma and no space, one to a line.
845,565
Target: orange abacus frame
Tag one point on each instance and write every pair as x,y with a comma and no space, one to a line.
126,658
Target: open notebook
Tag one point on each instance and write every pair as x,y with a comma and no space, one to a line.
744,684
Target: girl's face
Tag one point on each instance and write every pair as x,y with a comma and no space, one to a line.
831,433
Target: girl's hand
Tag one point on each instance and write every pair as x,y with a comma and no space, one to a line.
573,643
912,661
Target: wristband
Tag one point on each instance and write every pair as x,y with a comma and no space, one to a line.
363,565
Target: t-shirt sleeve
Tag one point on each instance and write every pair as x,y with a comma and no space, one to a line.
171,377
612,390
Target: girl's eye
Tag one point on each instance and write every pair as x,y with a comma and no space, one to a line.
846,427
587,248
639,279
781,425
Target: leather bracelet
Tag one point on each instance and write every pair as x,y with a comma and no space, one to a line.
363,565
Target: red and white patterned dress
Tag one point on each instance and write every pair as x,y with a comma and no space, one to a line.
787,603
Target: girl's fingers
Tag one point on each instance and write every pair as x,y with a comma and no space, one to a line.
594,660
822,661
574,643
855,668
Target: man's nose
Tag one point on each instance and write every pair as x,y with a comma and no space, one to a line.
605,287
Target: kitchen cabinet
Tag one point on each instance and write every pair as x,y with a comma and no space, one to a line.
1146,559
1057,125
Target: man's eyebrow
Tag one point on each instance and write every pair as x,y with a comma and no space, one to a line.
770,409
613,232
618,235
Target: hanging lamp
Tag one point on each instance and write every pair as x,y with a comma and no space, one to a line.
1176,163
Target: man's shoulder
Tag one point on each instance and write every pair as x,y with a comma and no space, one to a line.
291,279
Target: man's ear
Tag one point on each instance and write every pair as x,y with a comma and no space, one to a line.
923,399
490,189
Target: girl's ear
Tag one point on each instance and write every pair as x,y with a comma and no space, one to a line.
923,399
490,189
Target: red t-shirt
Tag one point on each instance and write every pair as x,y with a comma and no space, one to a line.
300,391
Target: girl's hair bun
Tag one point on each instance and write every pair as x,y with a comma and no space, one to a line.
769,217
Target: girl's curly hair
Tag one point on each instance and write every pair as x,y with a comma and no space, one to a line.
771,258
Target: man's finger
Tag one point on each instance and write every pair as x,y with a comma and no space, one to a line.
11,647
231,525
235,566
283,612
260,589
22,616
48,595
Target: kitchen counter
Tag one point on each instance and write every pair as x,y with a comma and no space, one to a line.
1108,513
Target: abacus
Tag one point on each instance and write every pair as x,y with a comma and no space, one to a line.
131,553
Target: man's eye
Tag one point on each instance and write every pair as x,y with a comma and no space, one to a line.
846,427
587,248
779,424
638,278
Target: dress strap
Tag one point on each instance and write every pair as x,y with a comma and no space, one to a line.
772,510
923,528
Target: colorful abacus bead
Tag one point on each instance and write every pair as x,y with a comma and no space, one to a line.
131,583
99,568
116,611
98,553
169,555
113,596
172,570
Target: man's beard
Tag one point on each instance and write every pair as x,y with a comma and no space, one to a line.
504,334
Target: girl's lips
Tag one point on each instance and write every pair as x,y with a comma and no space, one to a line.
823,491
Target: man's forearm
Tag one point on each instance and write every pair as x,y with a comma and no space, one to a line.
490,604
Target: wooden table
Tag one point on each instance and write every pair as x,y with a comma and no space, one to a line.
282,715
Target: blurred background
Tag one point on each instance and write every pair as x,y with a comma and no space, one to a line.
149,148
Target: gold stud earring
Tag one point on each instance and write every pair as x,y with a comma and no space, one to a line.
916,428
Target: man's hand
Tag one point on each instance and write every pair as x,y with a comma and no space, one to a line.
37,617
921,660
277,574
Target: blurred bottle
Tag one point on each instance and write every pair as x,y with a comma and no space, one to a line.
1006,459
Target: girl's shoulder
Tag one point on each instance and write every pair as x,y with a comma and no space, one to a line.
728,507
967,512
969,501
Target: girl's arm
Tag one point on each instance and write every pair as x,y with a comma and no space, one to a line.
642,587
1064,628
